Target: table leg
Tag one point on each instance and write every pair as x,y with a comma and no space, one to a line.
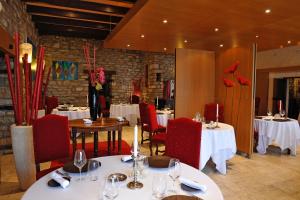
120,141
83,140
74,141
108,142
96,143
114,139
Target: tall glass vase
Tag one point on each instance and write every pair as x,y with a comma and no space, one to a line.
93,102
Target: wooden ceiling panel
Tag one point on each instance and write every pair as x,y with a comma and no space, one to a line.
238,21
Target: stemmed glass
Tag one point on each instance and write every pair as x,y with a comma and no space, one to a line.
269,113
92,170
80,160
111,187
282,113
159,185
142,164
174,171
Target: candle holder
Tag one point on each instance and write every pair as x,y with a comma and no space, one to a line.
134,184
217,121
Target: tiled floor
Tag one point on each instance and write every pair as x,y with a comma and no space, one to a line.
263,177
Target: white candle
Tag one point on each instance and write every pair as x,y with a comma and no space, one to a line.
217,113
135,141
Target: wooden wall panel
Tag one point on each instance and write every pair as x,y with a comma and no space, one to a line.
6,42
195,81
239,99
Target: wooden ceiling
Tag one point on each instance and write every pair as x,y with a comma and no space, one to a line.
240,22
78,18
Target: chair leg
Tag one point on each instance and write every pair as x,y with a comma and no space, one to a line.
142,136
150,144
156,151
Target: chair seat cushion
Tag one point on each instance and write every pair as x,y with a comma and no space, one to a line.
159,129
159,138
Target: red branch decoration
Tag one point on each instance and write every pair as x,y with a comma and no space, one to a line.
243,81
16,89
231,69
228,82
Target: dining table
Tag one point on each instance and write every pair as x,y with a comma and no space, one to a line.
217,143
280,131
93,190
72,112
130,112
109,125
163,116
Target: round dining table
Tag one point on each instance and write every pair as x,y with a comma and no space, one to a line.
73,112
93,190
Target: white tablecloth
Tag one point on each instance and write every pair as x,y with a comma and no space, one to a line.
219,144
284,134
163,117
130,111
77,113
112,164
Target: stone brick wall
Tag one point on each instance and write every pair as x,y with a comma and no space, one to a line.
13,17
128,65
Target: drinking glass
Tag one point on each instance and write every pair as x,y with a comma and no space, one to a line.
282,113
92,170
80,160
142,164
174,171
159,185
197,117
269,113
111,187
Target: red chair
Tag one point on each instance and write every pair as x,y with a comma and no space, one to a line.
51,139
184,141
157,134
103,109
51,102
210,112
144,120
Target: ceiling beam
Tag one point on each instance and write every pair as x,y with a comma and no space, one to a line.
71,18
84,7
71,22
51,29
112,3
73,14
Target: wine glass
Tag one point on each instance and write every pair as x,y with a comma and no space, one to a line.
92,170
111,188
142,164
269,113
159,185
80,160
282,113
174,171
197,117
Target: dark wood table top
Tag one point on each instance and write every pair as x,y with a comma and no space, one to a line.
100,123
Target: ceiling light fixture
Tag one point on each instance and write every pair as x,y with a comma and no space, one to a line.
216,29
142,36
221,45
257,36
289,41
165,21
165,49
185,41
268,11
128,45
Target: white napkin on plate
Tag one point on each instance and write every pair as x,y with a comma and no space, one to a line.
126,158
192,184
59,179
87,121
120,119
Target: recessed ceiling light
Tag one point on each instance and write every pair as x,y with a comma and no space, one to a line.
268,11
289,42
165,49
221,45
257,36
165,21
216,29
142,36
185,41
128,45
281,46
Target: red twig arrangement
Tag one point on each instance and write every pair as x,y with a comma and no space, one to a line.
16,89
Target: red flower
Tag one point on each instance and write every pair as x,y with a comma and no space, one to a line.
243,81
228,82
232,68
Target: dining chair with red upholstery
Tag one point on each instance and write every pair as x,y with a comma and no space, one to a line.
103,109
144,120
210,111
51,139
157,133
183,141
51,103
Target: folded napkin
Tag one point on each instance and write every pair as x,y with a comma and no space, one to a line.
120,119
126,158
268,118
192,184
87,121
59,179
